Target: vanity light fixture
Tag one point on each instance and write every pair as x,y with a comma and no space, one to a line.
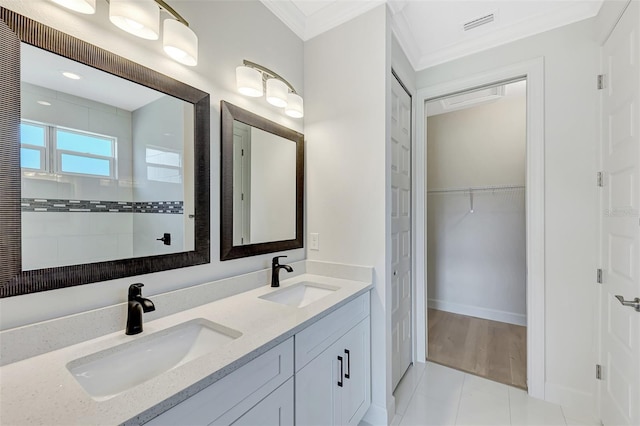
249,81
70,75
252,79
142,19
87,7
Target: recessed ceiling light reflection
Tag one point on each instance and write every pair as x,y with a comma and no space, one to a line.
71,75
45,103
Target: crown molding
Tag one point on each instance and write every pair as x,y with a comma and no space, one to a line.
330,16
407,41
339,12
288,13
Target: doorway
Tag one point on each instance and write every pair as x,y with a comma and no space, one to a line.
476,228
533,72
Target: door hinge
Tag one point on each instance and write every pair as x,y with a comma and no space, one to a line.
241,197
600,179
598,372
242,152
599,276
600,81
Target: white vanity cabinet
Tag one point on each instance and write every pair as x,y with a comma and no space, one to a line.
331,384
333,374
260,389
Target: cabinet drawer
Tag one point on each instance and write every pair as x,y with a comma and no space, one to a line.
238,391
275,410
314,339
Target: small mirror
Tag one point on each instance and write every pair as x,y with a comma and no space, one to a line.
262,185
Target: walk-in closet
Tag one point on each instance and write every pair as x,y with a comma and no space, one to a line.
476,232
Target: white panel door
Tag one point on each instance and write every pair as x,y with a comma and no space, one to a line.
400,230
620,226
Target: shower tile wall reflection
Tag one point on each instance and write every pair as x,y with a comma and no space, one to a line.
115,151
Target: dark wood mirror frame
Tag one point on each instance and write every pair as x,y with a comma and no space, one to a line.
14,29
228,251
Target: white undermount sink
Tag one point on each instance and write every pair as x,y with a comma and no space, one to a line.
109,372
300,294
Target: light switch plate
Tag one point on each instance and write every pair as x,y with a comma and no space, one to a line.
314,241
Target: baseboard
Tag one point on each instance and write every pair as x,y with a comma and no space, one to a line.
576,404
475,311
376,416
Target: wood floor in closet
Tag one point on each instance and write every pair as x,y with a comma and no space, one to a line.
490,349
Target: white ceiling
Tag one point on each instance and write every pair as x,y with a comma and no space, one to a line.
430,31
45,69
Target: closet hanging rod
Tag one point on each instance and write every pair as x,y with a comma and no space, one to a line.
476,189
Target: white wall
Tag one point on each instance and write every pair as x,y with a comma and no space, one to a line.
345,128
273,188
477,260
56,239
160,125
571,129
479,146
228,31
52,239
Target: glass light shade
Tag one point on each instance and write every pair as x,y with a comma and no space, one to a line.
277,92
88,7
138,17
180,42
249,81
295,106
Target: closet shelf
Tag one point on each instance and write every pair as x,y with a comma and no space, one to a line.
477,189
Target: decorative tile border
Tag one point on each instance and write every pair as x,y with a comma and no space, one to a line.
93,206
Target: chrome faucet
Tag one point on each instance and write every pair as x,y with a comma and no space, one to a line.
137,305
275,271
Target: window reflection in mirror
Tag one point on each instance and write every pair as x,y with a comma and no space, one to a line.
105,170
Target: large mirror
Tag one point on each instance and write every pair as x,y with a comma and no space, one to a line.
107,164
262,185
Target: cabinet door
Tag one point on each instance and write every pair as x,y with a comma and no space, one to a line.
275,410
320,400
356,393
317,392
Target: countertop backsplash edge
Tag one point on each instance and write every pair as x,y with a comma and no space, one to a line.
38,338
30,340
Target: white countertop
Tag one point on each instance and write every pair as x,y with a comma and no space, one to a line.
40,390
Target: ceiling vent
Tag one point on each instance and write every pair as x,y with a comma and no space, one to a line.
475,23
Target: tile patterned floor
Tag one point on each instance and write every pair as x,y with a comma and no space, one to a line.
431,394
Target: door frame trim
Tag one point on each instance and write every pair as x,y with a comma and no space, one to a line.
533,71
